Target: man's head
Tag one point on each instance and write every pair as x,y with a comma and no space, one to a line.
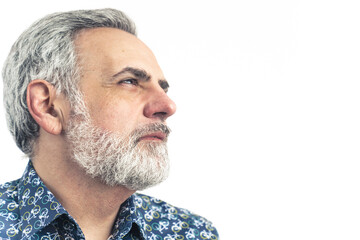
114,86
46,51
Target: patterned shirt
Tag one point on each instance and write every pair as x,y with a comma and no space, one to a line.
28,210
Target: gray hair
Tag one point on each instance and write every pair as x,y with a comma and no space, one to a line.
46,50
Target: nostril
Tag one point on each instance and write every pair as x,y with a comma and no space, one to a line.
160,114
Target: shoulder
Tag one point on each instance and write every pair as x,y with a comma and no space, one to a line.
9,207
173,221
8,193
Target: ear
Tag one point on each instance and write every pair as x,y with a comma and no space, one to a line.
41,100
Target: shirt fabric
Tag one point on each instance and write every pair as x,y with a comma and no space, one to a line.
28,210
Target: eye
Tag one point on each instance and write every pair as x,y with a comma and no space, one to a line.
130,81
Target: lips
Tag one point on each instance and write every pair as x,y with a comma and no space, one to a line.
157,136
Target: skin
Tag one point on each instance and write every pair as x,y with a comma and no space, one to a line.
118,100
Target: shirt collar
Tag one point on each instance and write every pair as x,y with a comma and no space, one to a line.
128,217
38,206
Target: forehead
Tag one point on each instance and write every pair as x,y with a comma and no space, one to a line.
109,49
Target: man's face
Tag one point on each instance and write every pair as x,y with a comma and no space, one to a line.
116,129
122,83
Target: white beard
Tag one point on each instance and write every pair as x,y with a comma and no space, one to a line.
117,160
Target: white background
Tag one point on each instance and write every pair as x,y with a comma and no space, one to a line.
266,138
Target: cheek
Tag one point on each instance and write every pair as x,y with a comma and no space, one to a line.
120,117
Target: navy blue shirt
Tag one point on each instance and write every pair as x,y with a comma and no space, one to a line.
28,210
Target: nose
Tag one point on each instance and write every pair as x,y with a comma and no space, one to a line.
159,106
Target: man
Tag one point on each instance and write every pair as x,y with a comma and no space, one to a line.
86,101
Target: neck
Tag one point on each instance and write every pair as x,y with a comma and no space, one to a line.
90,202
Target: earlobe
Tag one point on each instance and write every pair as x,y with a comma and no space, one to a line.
40,99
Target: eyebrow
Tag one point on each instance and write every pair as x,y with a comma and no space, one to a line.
141,75
164,84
